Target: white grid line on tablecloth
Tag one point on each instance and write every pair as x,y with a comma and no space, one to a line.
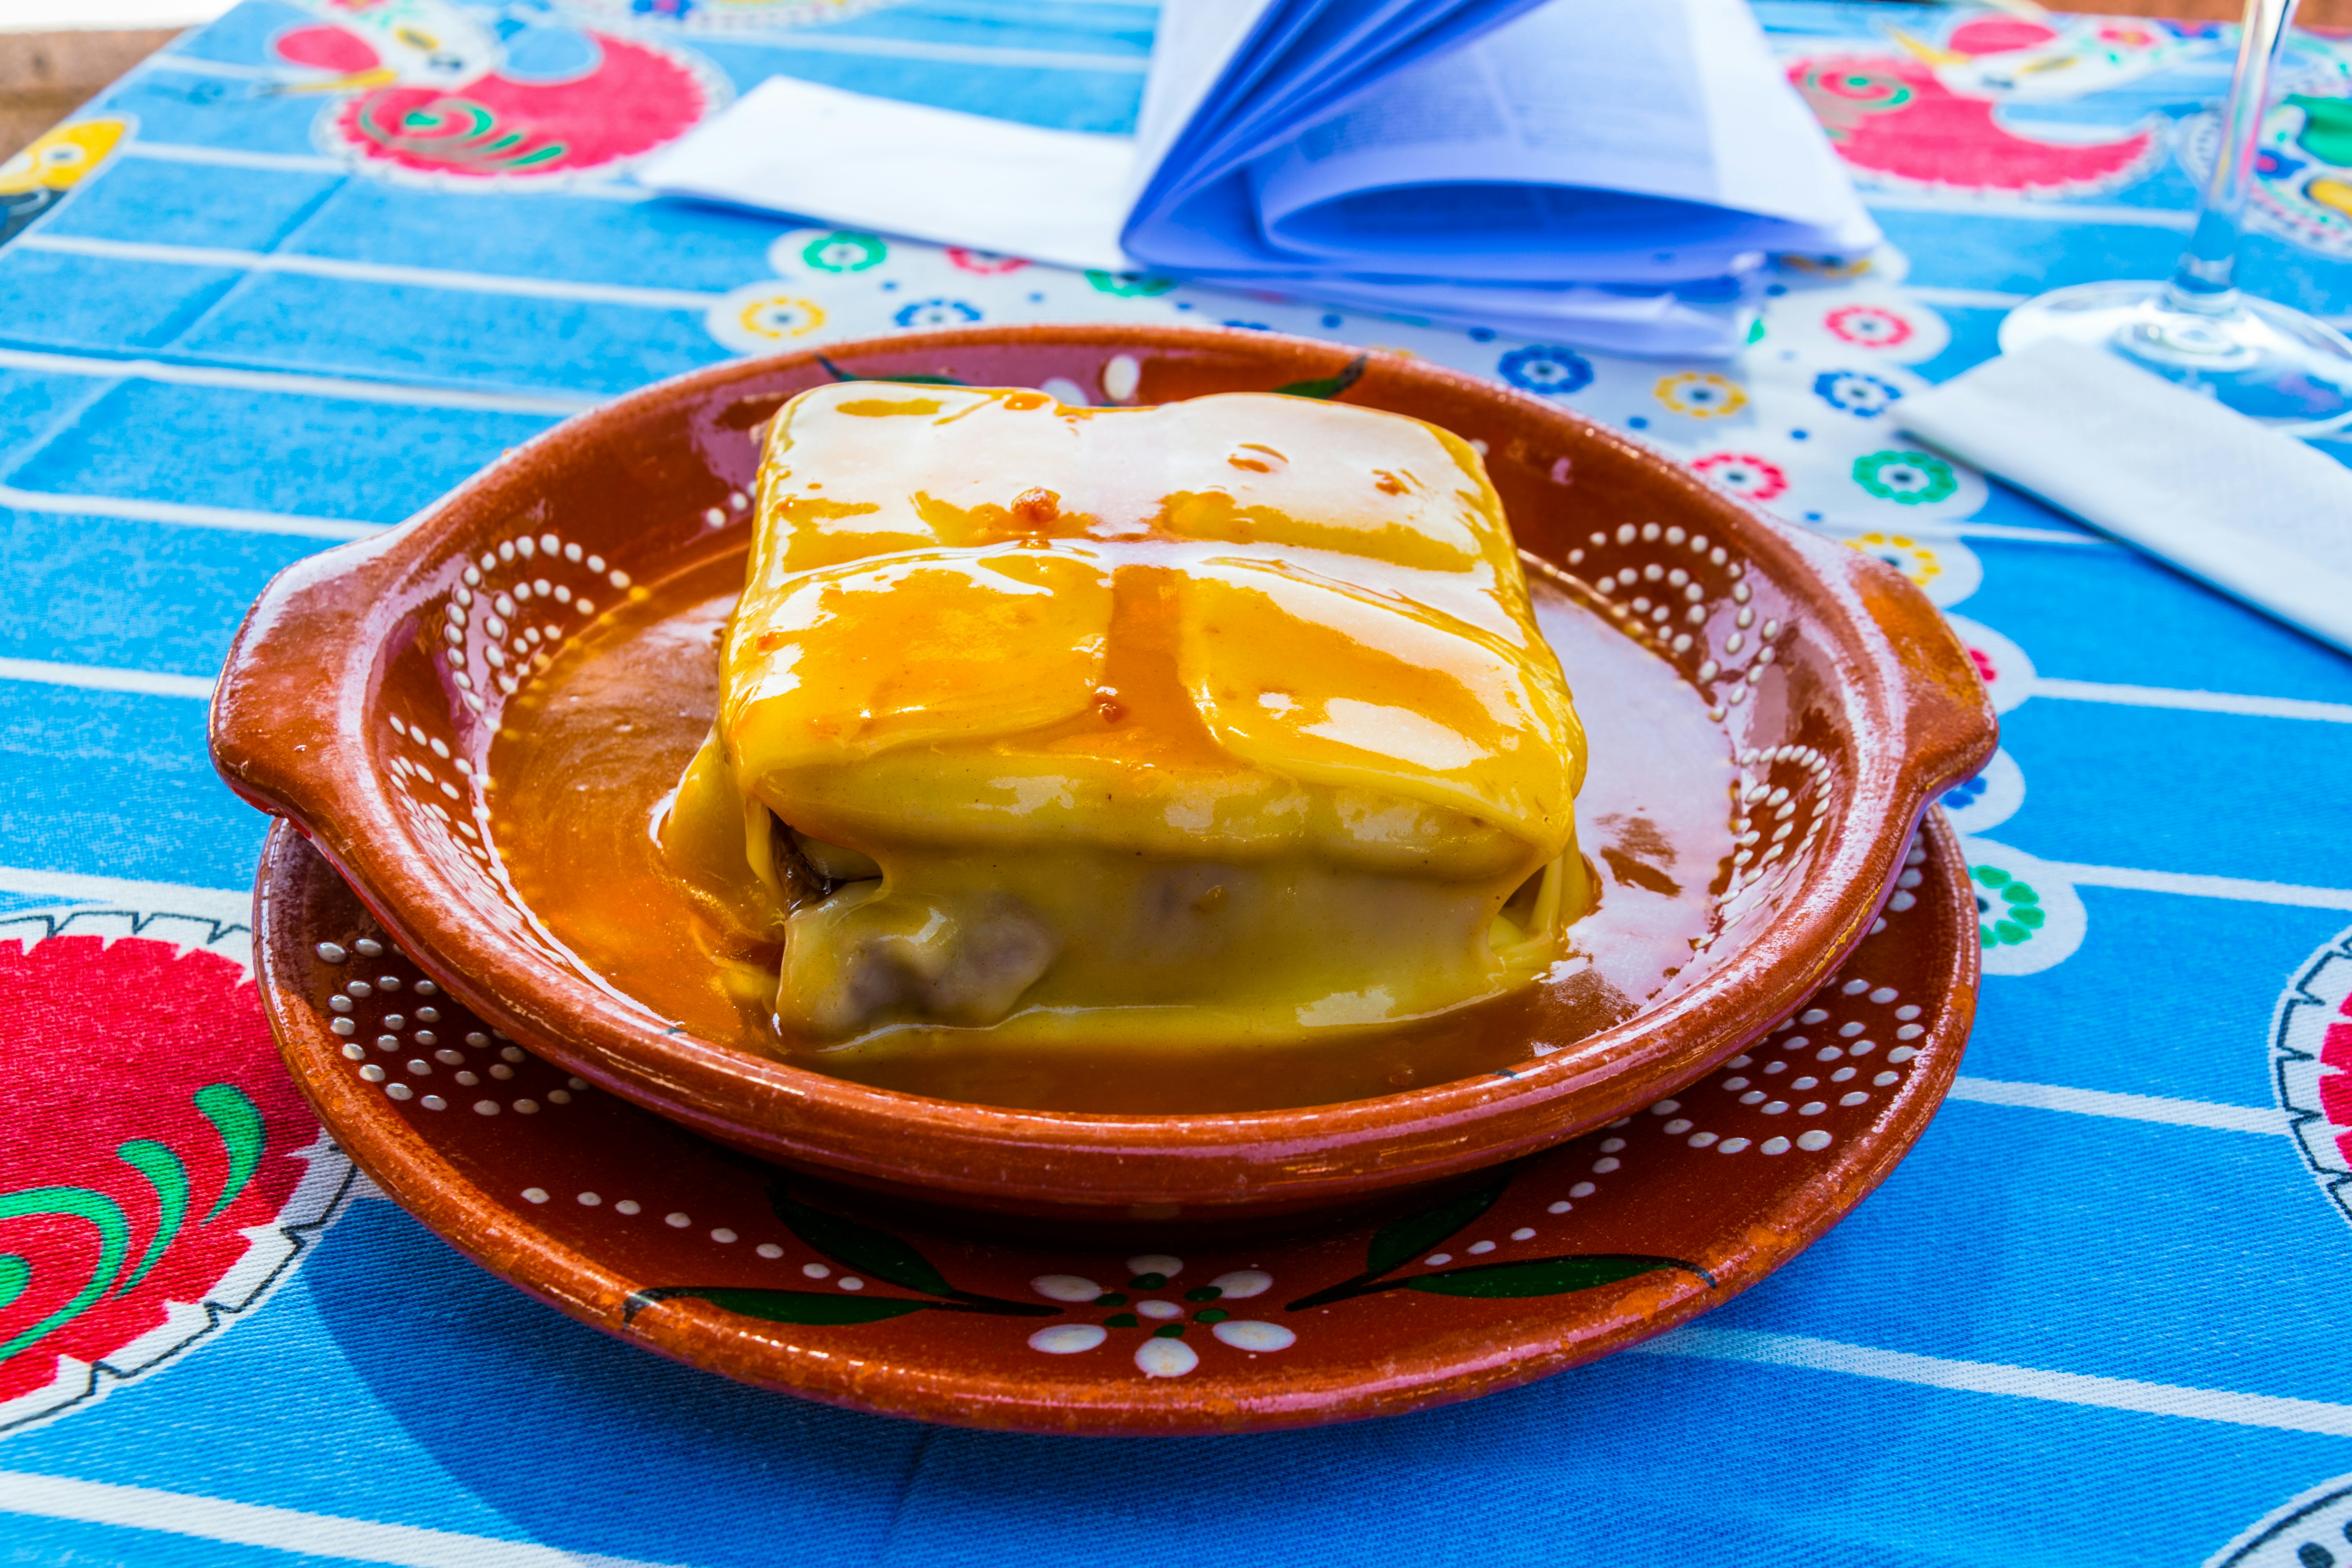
2193,701
278,1529
1756,1348
2124,1107
554,402
233,520
228,905
387,273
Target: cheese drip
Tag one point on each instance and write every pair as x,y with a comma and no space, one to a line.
1225,719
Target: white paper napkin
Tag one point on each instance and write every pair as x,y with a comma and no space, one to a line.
908,169
2259,515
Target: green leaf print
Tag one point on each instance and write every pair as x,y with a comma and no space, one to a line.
169,1177
818,1309
1546,1276
838,374
113,1244
859,1246
1328,386
1406,1237
242,1136
856,1245
853,1245
2327,133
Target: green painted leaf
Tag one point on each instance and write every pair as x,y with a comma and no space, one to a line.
1545,1275
1328,386
838,374
859,1246
819,1309
242,1136
113,1243
1406,1237
169,1177
2327,133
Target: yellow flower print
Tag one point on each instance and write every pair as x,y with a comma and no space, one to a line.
1840,267
1905,554
58,160
1702,396
780,316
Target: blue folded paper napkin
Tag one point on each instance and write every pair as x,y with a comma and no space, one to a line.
1617,174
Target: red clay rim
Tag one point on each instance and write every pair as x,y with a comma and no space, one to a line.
1917,716
1413,1375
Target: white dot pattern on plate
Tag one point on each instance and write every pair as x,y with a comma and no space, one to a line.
1166,1358
495,624
1854,993
1139,1295
1730,631
374,1007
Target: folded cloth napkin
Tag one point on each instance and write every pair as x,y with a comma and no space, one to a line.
2259,515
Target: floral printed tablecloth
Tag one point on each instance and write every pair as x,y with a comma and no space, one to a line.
314,264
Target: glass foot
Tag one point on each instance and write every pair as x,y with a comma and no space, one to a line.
2277,366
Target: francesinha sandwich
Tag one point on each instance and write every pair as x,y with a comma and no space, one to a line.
1222,720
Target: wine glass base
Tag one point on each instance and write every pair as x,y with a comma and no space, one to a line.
2274,365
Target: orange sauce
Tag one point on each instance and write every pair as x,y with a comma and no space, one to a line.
589,753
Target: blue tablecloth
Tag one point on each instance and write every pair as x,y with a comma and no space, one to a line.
311,266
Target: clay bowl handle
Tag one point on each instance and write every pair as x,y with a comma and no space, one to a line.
1947,725
294,688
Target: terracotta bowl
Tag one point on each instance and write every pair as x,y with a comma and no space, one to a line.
355,706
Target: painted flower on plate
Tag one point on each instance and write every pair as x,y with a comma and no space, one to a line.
1151,1303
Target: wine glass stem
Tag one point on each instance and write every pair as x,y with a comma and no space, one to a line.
2205,282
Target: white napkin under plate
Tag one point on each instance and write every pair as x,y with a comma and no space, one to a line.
2259,515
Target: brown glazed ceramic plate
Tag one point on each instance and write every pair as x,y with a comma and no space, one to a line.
634,1224
356,703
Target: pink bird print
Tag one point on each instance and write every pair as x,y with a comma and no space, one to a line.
1933,115
433,87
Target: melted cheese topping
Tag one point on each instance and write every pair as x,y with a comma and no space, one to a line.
1223,719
